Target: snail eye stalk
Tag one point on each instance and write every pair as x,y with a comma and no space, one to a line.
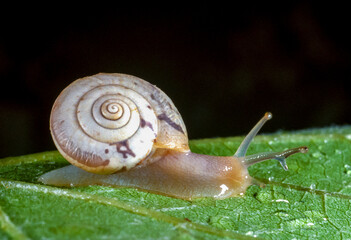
259,157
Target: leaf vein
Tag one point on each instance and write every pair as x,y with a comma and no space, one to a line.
10,228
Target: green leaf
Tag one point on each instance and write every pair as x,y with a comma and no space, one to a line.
310,201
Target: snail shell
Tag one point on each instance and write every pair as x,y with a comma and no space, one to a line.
109,122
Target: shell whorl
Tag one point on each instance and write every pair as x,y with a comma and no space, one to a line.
108,122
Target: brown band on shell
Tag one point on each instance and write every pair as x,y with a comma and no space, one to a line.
144,123
164,117
88,159
126,151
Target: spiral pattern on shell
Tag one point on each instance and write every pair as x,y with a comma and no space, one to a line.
108,122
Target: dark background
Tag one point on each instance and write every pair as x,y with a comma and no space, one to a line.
223,66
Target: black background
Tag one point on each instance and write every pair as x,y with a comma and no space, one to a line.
223,66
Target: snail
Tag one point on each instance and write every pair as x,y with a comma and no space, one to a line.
119,130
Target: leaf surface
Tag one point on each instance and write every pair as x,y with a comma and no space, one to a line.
310,201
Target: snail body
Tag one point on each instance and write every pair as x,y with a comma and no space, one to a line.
119,130
181,175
